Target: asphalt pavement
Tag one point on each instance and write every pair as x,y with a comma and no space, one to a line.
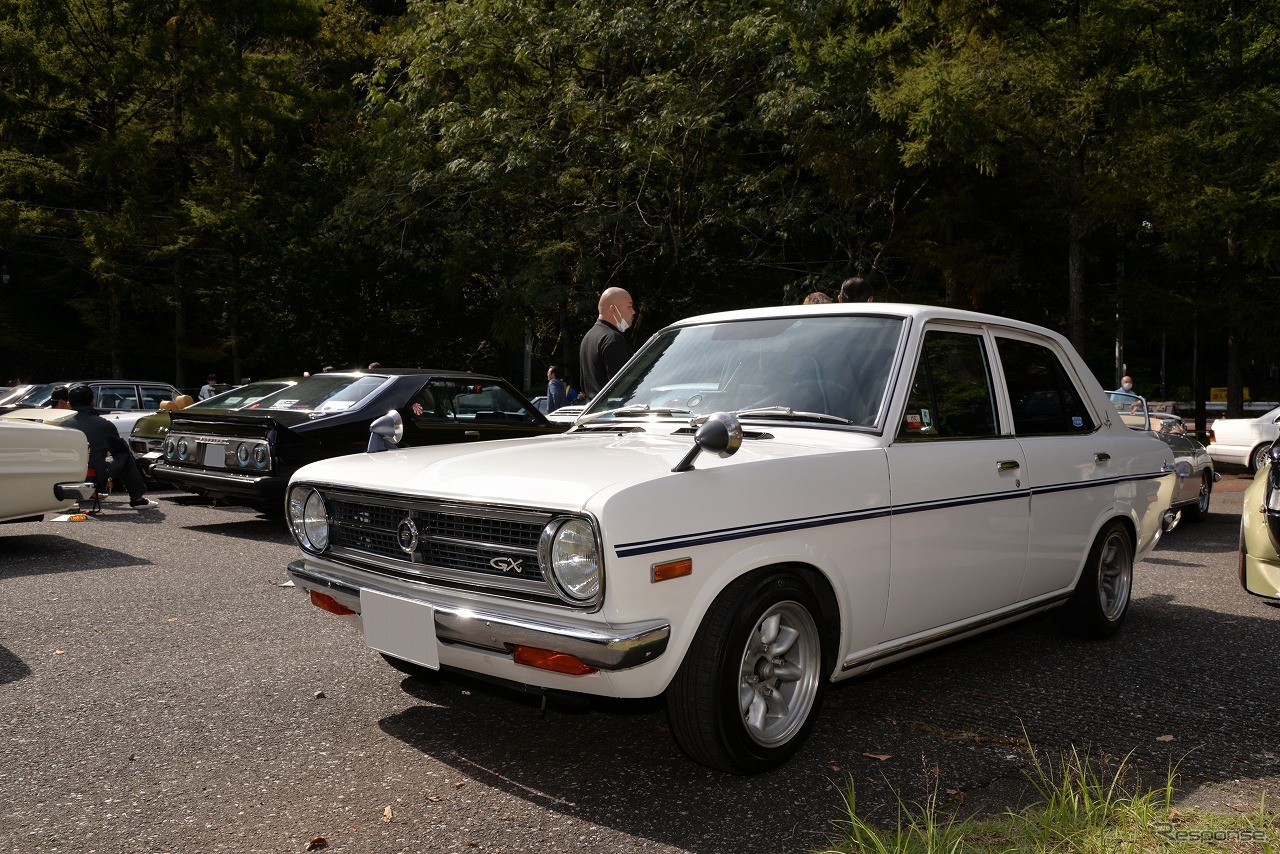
161,691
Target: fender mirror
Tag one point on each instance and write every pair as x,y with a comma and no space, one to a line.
720,434
386,432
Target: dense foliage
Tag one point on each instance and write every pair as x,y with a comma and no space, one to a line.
261,187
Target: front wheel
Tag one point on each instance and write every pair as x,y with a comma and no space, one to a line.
1101,598
744,698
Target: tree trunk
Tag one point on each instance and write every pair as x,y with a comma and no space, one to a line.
1075,259
1235,282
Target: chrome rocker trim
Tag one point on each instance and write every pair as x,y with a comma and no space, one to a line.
957,632
617,648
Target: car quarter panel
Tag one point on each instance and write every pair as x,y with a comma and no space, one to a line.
33,458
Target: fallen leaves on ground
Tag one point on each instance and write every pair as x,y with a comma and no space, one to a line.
1164,738
880,756
316,844
387,815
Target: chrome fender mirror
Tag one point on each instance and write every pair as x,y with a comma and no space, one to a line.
720,434
386,432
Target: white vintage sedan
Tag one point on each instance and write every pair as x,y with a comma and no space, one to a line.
1243,441
760,503
42,470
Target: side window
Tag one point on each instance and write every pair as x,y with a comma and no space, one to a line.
951,393
152,395
1043,398
426,407
115,397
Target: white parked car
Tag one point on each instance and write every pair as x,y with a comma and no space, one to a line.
760,503
1243,441
42,470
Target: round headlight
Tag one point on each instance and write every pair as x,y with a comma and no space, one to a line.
242,454
170,448
309,519
261,456
184,448
575,560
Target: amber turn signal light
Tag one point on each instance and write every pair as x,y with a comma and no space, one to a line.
325,602
545,659
671,569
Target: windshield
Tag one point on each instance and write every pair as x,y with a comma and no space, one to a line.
324,393
241,396
33,396
832,365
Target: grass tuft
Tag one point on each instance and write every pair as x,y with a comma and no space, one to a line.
1082,806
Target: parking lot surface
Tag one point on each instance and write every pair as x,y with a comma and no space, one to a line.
161,691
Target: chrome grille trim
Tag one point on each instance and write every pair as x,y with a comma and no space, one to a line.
456,545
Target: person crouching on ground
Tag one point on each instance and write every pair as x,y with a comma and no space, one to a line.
103,439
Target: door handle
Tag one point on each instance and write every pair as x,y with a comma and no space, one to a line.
471,434
1102,458
1008,465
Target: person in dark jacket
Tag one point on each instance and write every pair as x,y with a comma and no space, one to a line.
604,351
103,439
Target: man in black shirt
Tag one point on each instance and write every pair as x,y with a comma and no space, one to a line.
604,351
103,438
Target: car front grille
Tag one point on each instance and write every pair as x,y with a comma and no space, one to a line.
479,546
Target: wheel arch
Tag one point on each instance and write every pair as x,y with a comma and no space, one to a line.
813,577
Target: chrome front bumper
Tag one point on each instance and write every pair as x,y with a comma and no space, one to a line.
605,647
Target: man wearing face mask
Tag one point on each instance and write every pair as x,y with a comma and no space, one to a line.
1126,387
604,351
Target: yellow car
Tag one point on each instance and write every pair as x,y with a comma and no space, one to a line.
1260,531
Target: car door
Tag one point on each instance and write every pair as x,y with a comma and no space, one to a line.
1186,453
960,510
1069,462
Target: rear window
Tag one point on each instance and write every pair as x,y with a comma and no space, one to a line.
325,393
239,398
1041,393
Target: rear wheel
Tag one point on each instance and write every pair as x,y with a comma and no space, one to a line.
745,696
1101,599
1258,458
1199,511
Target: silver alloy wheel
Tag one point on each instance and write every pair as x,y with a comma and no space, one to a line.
1203,503
779,674
1115,575
1259,458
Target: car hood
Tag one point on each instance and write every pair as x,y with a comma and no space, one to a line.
560,472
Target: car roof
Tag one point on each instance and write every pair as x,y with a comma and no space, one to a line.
112,382
923,313
406,372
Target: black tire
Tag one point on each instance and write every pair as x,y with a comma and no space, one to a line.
1199,511
746,695
411,668
1100,602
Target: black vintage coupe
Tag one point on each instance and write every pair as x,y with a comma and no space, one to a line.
246,457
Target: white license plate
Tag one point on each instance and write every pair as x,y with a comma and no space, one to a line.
399,627
215,456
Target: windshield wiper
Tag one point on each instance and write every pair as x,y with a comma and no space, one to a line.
639,409
788,412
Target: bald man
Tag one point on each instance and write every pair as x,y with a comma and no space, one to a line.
604,350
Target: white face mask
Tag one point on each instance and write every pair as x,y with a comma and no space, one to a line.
1126,386
623,326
